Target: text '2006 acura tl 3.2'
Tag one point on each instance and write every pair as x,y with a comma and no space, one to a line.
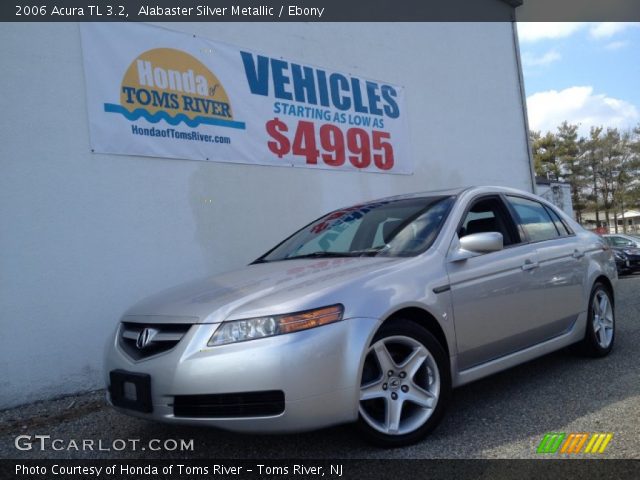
370,314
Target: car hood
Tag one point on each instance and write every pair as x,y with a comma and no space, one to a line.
260,289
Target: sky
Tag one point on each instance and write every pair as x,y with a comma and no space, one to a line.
585,73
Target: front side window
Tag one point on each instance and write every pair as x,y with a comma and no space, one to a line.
488,215
534,219
390,227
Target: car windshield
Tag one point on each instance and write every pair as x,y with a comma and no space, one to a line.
402,227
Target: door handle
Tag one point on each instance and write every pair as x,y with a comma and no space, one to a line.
577,254
529,265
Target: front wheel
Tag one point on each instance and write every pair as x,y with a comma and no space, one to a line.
405,385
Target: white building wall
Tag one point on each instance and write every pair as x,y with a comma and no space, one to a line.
84,236
557,193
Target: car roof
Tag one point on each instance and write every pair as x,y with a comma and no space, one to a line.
457,191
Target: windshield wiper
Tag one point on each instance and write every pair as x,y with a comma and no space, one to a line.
368,252
318,254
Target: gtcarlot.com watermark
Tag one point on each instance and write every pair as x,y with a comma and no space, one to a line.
45,442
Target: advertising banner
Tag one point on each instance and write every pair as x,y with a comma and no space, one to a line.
159,93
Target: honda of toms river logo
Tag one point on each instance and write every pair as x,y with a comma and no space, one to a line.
574,443
171,85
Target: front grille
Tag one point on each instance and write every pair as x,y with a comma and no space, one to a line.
159,338
225,405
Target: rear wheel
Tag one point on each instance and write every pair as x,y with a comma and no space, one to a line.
405,385
601,324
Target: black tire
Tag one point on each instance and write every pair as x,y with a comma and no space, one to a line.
399,330
593,345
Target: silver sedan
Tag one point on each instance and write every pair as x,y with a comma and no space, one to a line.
370,314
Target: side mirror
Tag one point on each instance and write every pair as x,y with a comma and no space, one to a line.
477,244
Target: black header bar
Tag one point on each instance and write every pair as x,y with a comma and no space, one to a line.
318,10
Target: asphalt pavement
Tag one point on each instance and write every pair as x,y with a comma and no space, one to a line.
503,416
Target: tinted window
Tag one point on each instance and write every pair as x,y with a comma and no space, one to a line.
534,219
619,242
560,226
488,215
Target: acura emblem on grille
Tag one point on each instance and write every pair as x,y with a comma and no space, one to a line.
145,337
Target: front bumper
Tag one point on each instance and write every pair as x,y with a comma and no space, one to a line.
318,370
633,262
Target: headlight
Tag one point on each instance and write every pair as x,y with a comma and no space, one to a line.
620,255
252,328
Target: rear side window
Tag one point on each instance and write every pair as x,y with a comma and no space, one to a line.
534,219
560,226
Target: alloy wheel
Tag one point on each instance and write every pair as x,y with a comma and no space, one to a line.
602,314
400,385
